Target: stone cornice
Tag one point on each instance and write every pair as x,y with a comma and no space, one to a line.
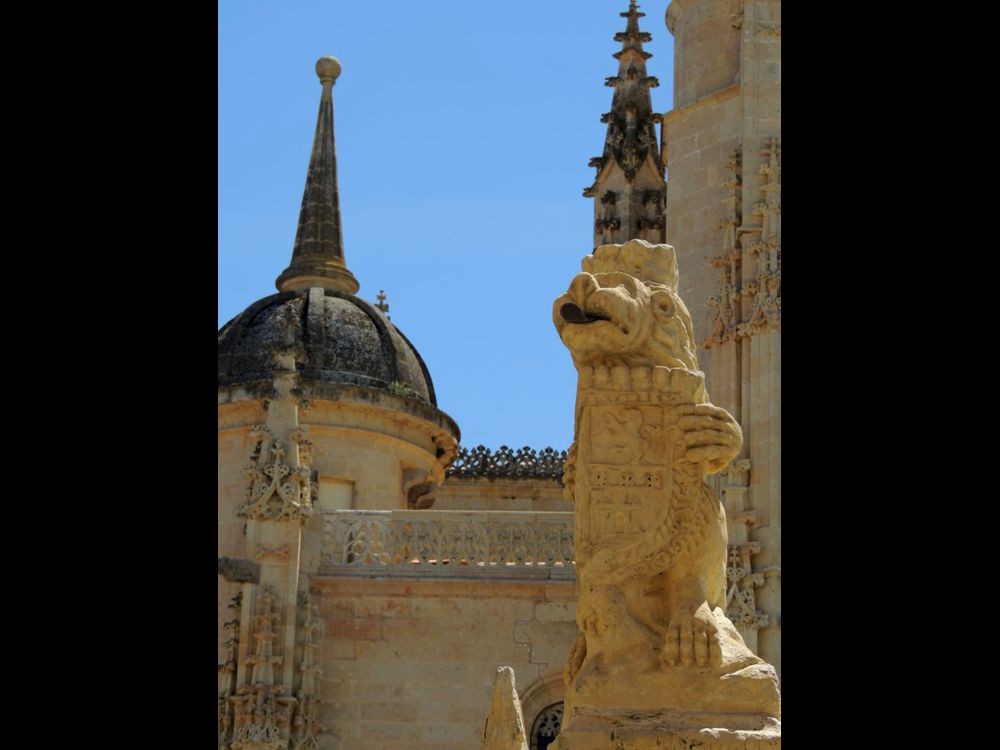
718,95
312,390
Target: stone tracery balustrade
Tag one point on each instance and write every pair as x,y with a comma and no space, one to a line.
448,543
506,463
455,543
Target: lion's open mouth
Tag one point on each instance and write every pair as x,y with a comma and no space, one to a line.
573,313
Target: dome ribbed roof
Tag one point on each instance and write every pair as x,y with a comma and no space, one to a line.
344,338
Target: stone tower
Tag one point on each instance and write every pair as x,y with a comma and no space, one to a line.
721,143
324,406
629,190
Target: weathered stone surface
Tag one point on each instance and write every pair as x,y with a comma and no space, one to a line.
505,725
651,545
440,644
343,339
636,730
239,571
629,189
547,640
722,145
318,254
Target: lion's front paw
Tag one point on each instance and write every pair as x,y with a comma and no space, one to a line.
710,435
692,640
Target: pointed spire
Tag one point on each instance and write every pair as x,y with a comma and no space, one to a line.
318,254
632,38
635,211
630,122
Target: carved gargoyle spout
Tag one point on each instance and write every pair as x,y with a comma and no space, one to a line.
610,316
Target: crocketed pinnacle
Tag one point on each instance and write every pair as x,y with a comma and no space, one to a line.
318,254
632,38
631,132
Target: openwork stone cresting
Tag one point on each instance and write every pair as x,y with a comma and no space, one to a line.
505,463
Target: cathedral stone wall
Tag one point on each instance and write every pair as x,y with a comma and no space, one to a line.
411,663
721,146
706,47
365,457
494,494
699,142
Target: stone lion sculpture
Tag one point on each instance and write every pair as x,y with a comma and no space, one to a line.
650,534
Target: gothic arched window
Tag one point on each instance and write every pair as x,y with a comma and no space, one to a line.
546,726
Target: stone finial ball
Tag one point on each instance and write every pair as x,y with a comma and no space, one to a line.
328,67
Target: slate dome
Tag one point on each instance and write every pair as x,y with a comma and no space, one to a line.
343,339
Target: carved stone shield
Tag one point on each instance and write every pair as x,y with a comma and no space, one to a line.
626,440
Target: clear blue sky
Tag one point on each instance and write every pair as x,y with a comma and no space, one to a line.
463,135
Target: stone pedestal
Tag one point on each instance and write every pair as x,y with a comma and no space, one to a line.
645,706
620,729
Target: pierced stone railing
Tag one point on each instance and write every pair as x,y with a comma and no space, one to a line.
507,463
461,544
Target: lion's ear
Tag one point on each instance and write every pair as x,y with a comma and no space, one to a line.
663,304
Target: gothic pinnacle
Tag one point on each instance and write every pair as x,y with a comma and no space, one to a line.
632,38
630,122
633,208
318,254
